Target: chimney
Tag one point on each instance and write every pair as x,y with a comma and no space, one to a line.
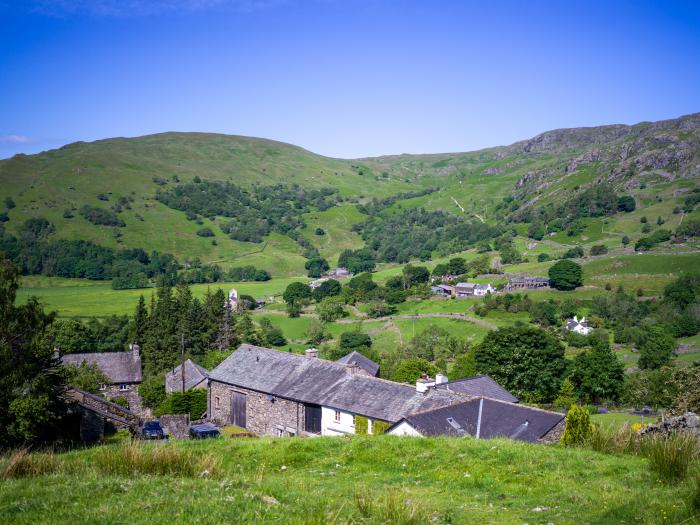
353,368
440,379
135,348
312,353
424,383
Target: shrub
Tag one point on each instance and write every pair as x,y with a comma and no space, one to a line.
361,425
319,231
626,203
578,427
599,249
542,257
670,454
205,232
380,427
567,395
392,507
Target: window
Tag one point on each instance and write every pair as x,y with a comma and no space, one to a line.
123,387
217,401
336,416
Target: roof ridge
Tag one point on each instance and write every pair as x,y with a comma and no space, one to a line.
310,360
526,406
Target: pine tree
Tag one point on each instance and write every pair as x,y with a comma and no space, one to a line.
139,325
226,337
567,394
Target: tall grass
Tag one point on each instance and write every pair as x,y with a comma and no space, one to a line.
613,440
163,460
23,464
392,507
670,455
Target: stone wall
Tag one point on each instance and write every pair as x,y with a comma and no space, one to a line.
176,426
554,435
131,394
276,417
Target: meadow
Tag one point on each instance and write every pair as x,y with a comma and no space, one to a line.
356,479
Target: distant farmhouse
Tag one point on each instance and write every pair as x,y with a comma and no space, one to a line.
580,326
473,290
123,370
338,273
443,290
194,376
527,283
270,392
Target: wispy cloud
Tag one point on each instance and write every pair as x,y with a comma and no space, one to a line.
15,140
131,8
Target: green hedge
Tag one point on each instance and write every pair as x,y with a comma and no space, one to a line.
361,425
192,402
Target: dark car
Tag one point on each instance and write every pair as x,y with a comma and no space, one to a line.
204,431
152,430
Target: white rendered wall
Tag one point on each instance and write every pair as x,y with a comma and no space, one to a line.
404,429
331,427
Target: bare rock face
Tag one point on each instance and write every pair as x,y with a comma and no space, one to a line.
492,171
688,422
587,157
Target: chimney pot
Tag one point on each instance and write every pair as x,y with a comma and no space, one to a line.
311,352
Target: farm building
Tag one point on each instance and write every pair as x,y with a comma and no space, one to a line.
527,283
194,376
484,418
365,363
123,370
479,386
580,326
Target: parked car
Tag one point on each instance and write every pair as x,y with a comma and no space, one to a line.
204,431
152,430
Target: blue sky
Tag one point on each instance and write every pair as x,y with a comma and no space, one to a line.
342,78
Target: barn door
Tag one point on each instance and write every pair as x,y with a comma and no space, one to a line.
238,409
312,419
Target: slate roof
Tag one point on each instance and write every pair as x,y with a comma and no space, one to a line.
327,383
119,367
194,375
498,419
362,361
466,285
481,385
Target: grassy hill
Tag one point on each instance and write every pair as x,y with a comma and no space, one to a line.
655,162
341,480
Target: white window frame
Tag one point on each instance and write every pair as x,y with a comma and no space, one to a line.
123,387
336,416
103,387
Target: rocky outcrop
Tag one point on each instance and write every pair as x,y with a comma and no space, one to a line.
688,422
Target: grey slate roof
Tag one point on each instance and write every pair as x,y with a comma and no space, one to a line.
362,361
498,419
119,367
194,375
327,383
481,385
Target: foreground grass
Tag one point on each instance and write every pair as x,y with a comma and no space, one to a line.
346,480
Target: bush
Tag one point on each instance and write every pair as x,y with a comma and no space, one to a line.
542,257
319,231
205,232
626,203
670,454
361,425
192,402
599,249
578,427
612,439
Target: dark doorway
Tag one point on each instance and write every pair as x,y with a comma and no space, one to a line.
238,409
312,418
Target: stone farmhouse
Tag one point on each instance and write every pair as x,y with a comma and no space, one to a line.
443,290
527,283
194,376
123,370
473,289
484,418
270,392
580,326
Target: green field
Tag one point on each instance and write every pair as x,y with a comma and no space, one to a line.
351,480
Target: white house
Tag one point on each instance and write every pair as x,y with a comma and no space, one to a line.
482,289
580,326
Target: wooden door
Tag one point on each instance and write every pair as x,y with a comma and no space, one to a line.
238,409
312,418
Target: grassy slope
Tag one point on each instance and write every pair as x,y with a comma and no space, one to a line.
444,480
